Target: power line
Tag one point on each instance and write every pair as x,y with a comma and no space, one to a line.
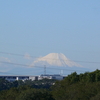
13,54
49,58
13,63
37,66
9,73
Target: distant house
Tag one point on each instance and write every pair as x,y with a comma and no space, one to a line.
15,78
23,78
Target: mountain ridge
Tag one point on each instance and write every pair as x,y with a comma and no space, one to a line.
54,59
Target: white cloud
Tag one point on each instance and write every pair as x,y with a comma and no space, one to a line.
5,59
3,66
27,56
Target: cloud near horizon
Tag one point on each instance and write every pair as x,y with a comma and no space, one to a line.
27,56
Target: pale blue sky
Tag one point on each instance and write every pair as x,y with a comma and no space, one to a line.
39,27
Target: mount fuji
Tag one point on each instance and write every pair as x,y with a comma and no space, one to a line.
54,59
52,63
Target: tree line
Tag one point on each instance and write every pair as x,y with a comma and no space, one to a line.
84,86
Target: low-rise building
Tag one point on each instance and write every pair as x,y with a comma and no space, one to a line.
23,78
15,78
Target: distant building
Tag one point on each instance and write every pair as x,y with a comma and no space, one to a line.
15,78
55,76
23,78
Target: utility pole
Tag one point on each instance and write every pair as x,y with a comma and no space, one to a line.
61,72
44,69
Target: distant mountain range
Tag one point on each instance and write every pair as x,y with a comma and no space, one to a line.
56,63
54,59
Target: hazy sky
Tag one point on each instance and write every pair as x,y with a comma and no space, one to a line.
40,27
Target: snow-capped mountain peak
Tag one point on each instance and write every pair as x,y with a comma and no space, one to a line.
54,59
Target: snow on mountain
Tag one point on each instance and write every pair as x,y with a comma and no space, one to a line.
54,59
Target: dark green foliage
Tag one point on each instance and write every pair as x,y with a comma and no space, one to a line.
44,83
73,77
97,97
26,93
4,84
74,87
78,87
28,90
35,94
